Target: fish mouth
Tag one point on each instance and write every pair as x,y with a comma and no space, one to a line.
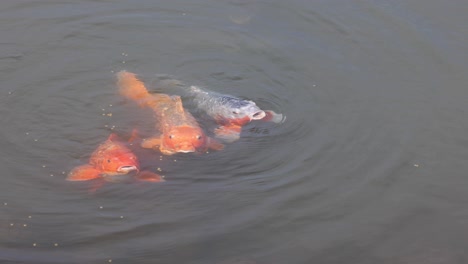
127,168
258,115
185,149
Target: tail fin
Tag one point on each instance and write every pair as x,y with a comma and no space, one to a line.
131,87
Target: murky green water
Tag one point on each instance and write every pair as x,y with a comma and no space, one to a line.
369,166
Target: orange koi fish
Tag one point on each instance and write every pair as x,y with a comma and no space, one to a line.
111,158
179,131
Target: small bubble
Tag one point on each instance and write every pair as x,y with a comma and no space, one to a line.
106,126
103,109
63,172
51,175
25,225
101,207
29,217
103,114
56,244
35,139
184,14
9,92
27,133
416,165
34,244
5,204
12,224
109,114
110,105
43,166
314,85
159,169
123,61
175,160
121,216
110,260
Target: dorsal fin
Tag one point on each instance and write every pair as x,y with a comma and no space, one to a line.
134,136
178,103
113,137
180,108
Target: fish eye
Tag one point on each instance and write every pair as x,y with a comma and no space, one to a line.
235,112
199,137
108,161
171,136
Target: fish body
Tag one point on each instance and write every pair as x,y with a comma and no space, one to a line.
230,112
111,158
178,131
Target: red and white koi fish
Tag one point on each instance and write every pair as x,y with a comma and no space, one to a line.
230,113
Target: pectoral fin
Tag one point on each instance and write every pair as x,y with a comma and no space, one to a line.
228,133
153,142
134,136
83,173
214,144
149,176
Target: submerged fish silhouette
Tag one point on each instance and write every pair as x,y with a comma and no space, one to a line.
179,131
111,158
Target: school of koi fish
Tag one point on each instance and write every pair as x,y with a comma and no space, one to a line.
176,130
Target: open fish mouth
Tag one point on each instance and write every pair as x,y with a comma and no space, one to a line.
258,115
186,150
127,168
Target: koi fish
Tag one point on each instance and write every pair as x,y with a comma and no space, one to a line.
179,131
111,158
230,113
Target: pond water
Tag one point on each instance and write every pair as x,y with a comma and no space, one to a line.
368,167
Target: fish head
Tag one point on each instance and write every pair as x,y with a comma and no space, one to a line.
240,112
184,139
121,162
114,158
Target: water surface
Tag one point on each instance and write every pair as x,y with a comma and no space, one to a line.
369,166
